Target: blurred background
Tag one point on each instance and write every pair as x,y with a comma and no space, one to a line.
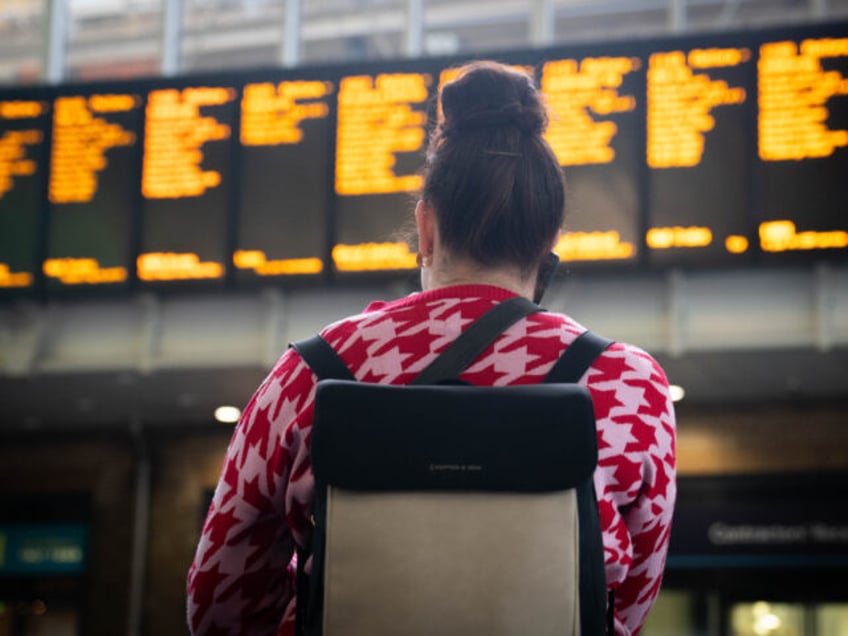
135,322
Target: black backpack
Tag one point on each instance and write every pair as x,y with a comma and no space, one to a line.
445,508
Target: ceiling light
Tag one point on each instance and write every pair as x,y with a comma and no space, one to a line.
676,392
227,414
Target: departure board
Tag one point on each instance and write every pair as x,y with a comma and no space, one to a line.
594,133
23,130
185,182
699,118
803,145
285,137
381,134
703,150
93,156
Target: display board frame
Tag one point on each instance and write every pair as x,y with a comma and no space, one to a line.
281,213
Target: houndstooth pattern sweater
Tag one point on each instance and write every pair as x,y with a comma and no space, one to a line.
242,578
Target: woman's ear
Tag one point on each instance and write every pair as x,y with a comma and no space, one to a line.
557,237
425,223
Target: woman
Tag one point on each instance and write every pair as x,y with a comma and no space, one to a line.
490,211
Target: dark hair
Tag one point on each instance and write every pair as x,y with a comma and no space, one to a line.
495,184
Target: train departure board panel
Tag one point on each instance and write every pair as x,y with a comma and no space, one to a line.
699,118
285,149
24,125
704,150
186,181
802,126
381,133
594,132
91,188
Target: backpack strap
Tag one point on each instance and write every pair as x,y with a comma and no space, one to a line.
327,364
474,340
570,367
322,358
577,359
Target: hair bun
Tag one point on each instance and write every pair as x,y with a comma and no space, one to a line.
492,96
528,121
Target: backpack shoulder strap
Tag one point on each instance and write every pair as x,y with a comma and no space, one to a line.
474,340
595,605
322,358
326,364
578,357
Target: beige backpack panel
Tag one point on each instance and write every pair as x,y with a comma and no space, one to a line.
391,564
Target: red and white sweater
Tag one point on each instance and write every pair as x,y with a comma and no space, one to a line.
242,578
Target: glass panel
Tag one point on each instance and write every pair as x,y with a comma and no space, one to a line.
671,615
767,619
583,22
20,41
476,26
113,38
353,31
354,48
225,34
832,619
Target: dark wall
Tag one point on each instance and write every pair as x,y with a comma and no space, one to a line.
99,467
46,478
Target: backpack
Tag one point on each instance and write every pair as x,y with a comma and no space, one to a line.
451,509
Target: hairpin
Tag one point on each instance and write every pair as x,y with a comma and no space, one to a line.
501,153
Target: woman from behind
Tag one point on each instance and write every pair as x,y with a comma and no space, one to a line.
490,211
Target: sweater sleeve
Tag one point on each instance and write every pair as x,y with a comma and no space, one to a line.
242,579
635,479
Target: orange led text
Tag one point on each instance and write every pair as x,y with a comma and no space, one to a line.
8,278
373,256
680,103
593,246
271,115
782,236
175,135
257,261
376,120
580,96
154,266
82,271
659,238
794,90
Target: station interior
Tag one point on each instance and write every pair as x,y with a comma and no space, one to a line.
124,332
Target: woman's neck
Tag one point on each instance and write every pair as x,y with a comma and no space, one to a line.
448,274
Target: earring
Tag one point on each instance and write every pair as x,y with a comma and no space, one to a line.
424,261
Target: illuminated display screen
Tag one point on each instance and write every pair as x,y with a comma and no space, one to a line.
803,145
186,182
699,142
285,138
23,129
594,134
380,138
93,154
695,151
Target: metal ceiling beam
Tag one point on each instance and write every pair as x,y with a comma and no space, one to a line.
414,32
543,22
677,16
171,37
292,33
53,43
676,313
